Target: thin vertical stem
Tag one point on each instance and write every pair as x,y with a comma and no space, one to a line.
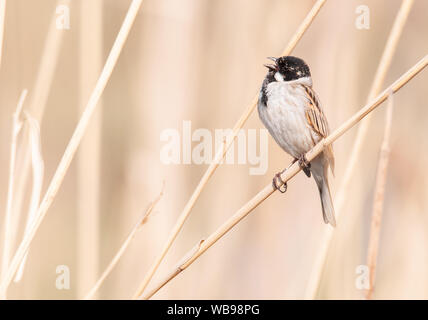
38,168
379,197
88,157
8,234
39,95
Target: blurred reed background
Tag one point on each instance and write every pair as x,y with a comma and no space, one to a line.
202,61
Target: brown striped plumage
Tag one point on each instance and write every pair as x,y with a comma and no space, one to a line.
318,122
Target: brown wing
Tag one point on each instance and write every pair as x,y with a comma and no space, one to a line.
318,122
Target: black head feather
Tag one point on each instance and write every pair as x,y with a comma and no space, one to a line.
291,68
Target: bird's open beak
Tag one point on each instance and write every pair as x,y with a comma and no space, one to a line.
270,66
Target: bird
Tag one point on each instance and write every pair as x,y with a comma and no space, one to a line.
291,111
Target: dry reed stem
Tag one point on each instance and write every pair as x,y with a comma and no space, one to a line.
379,196
16,129
290,173
39,95
385,62
38,100
228,141
141,221
89,155
74,141
38,167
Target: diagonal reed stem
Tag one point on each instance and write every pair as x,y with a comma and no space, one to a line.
141,221
379,196
385,62
39,95
221,154
204,245
75,140
38,169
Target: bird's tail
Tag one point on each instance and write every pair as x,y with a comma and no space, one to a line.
319,169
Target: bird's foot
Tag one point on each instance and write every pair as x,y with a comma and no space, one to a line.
278,183
305,165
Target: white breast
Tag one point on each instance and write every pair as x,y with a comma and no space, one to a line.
284,117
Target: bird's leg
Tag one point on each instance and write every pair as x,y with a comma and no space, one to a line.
305,165
278,183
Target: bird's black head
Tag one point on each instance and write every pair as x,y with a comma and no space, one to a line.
289,67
